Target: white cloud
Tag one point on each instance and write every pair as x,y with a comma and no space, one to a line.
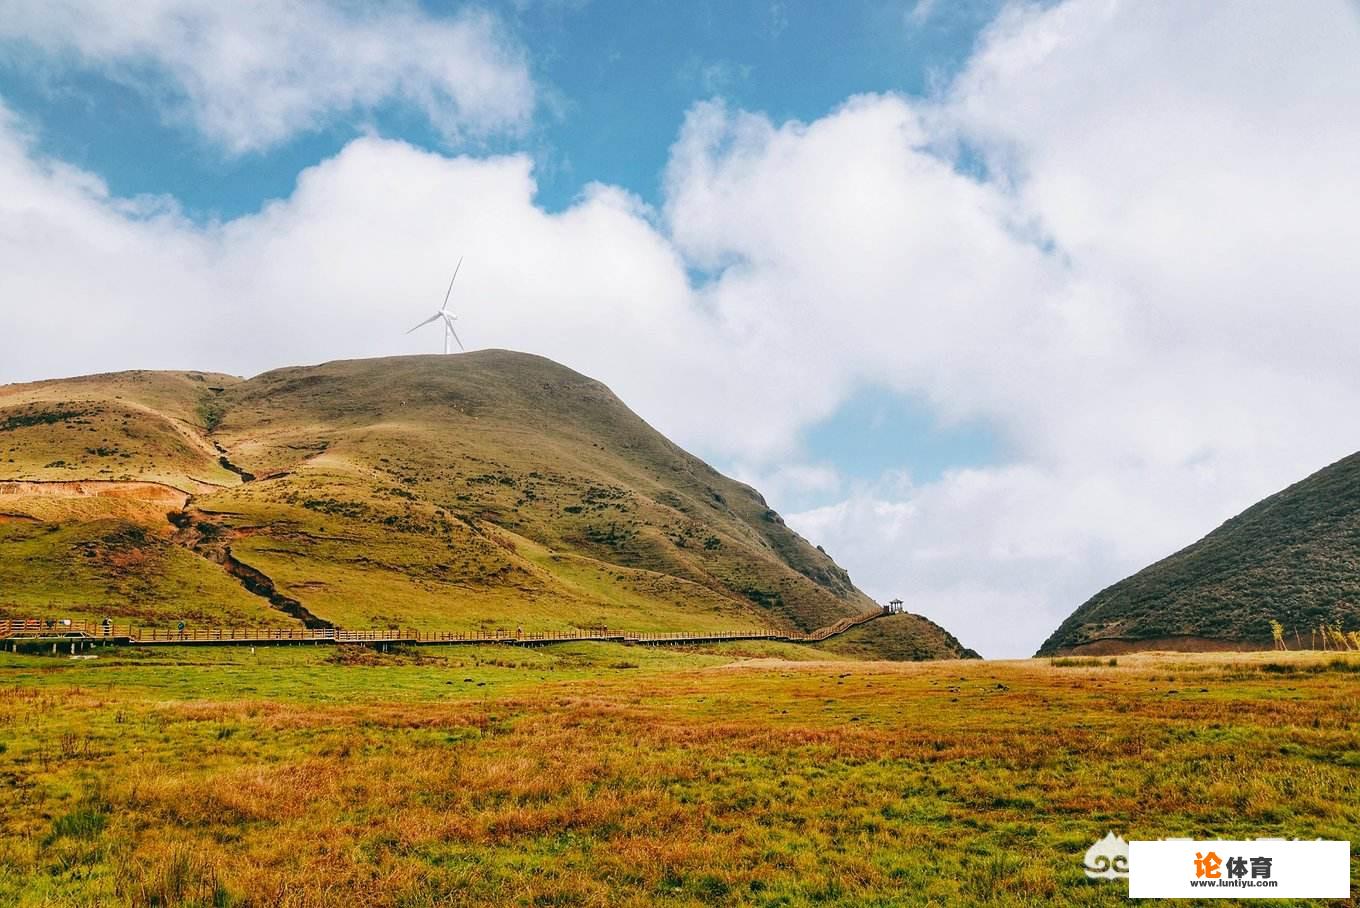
790,483
713,77
250,75
1186,170
1149,294
359,252
920,13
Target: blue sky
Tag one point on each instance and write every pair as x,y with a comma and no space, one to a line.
877,431
618,78
987,298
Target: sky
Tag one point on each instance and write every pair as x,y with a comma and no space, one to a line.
998,302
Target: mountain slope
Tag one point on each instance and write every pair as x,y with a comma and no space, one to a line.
1293,558
486,489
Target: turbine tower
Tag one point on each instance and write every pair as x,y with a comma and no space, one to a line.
444,315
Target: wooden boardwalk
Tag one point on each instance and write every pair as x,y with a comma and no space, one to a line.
81,634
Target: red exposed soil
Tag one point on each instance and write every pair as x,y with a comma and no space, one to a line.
155,492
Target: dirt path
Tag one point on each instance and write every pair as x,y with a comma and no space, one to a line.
197,438
188,431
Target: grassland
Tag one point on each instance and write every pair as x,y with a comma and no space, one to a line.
610,775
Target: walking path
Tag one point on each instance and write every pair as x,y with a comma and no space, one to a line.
81,634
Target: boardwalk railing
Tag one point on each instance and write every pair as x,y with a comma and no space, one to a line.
29,628
136,635
845,624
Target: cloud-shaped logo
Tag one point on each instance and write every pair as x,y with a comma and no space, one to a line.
1108,859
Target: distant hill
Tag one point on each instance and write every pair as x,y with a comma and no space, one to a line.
1293,558
439,492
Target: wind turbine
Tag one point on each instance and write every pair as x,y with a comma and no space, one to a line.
445,315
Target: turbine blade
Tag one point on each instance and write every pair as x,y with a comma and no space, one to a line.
433,318
448,323
445,304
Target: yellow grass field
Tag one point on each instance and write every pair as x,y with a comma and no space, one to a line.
598,774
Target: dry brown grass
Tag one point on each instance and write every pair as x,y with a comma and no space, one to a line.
778,783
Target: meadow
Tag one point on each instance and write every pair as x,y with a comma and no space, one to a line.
594,774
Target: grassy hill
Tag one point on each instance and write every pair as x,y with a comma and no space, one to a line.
486,489
900,637
1292,558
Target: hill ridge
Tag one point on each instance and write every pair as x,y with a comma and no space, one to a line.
423,491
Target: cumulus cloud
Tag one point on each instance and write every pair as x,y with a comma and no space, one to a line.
359,252
1184,172
250,75
1121,237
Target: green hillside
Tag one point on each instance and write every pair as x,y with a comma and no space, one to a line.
491,489
1293,558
